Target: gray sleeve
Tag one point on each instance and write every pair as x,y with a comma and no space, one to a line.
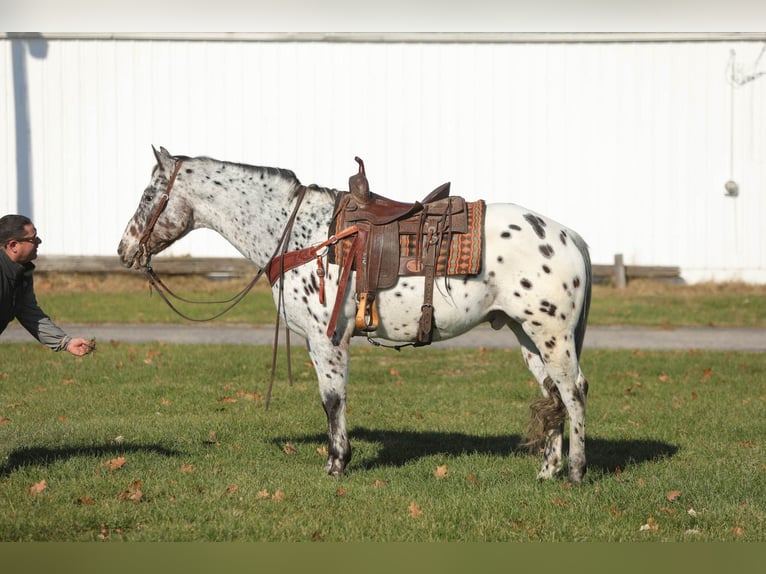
39,325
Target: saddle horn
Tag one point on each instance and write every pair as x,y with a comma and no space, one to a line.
358,184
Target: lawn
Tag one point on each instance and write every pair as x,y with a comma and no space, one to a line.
172,443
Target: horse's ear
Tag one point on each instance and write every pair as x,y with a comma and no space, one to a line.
163,156
157,156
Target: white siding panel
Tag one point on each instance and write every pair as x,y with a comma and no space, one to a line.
629,143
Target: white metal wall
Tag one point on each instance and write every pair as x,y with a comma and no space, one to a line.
628,143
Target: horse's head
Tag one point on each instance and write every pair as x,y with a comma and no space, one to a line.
162,217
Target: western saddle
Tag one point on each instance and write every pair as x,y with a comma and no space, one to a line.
392,239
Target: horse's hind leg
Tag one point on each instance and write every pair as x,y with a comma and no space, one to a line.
547,414
564,371
564,389
331,365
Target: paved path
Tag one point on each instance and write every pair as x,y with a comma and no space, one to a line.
703,338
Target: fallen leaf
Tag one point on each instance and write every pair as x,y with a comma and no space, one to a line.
115,463
691,512
738,531
68,380
289,449
651,524
4,420
38,487
227,400
165,402
133,493
87,500
472,478
231,489
561,502
279,496
415,511
322,450
341,491
379,483
187,468
262,494
673,495
441,472
663,377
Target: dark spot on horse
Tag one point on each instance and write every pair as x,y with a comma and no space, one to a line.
546,269
397,294
563,237
189,170
536,323
217,182
551,344
514,227
563,317
526,283
505,235
576,282
517,294
305,299
546,250
528,312
491,273
544,303
566,287
568,353
537,224
499,258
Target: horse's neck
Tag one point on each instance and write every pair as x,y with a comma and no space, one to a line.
251,206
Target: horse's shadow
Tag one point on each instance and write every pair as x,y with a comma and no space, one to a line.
399,448
37,455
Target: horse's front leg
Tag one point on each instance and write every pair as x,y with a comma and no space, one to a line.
331,364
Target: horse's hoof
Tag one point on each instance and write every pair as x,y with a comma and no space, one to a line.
334,468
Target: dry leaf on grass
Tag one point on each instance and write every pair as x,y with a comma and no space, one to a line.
133,493
651,525
673,495
115,463
38,487
415,511
289,449
262,494
441,472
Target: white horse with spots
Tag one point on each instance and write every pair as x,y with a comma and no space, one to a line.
535,278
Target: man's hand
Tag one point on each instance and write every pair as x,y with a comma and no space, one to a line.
79,346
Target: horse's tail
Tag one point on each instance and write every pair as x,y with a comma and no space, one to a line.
582,320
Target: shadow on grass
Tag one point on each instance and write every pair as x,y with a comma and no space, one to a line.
402,447
31,456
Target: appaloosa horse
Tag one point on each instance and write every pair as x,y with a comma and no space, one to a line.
535,278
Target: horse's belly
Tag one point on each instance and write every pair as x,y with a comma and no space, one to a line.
459,305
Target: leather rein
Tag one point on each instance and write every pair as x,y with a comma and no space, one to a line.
275,264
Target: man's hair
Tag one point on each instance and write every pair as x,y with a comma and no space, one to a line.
12,227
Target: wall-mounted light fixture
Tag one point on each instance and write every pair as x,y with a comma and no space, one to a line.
732,189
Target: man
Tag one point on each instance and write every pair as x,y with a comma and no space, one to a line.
19,242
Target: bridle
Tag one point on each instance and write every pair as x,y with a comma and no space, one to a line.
165,292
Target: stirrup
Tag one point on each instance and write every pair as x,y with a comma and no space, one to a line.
366,313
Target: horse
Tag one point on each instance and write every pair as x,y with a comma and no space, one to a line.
535,278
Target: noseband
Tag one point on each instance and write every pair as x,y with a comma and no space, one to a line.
143,250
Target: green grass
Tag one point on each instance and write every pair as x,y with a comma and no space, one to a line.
211,464
127,299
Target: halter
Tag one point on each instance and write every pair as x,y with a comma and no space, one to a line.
143,251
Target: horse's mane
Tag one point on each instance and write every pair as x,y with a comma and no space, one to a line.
280,172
